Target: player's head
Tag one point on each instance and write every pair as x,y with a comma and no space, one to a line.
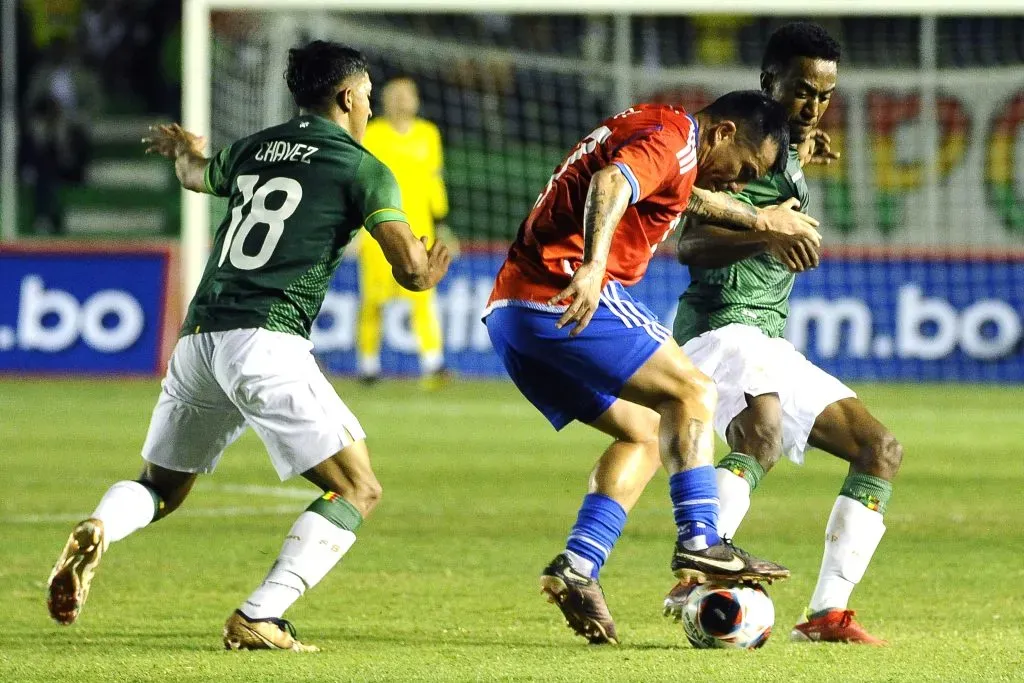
743,135
799,70
400,99
332,80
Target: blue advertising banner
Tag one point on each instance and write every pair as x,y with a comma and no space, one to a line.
66,309
859,316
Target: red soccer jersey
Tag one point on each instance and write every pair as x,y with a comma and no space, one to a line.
655,147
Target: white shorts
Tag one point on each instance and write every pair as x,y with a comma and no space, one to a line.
219,383
742,360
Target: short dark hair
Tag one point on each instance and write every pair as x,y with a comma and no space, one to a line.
757,117
315,71
798,39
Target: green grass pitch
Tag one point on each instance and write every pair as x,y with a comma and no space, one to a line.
479,493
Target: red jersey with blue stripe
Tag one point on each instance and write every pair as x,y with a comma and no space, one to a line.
655,147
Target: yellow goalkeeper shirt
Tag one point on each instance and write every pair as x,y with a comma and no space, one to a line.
416,160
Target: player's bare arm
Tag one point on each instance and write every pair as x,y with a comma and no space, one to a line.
607,200
413,265
185,149
719,207
713,246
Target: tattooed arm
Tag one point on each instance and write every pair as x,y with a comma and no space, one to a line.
607,200
719,207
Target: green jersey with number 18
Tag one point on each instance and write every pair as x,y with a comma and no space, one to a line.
297,194
754,291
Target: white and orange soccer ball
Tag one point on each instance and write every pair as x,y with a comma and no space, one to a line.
738,617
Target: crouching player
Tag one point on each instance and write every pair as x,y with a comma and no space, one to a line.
579,347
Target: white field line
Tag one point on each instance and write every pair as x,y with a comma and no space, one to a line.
287,493
235,511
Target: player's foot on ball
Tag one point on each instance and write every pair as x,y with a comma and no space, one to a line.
833,626
243,633
581,600
72,574
723,562
674,602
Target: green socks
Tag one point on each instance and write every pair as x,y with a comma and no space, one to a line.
871,492
337,510
743,466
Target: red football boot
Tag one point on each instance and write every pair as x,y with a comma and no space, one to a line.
834,626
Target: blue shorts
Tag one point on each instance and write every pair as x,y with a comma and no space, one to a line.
574,378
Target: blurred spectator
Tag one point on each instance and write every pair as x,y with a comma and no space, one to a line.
55,153
718,37
62,96
52,20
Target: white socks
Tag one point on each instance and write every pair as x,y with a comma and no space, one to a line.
312,547
127,506
431,362
733,501
852,534
369,364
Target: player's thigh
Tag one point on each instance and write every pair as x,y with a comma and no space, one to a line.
806,392
193,420
277,385
560,396
669,375
627,421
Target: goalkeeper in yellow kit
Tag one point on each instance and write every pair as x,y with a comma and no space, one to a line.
411,148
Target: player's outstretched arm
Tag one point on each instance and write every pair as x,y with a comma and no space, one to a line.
185,149
722,208
607,200
413,265
712,246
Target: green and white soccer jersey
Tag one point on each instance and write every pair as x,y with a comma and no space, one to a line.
754,291
730,322
298,193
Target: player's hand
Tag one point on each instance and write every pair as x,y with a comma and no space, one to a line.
817,149
585,293
438,260
797,252
786,219
171,141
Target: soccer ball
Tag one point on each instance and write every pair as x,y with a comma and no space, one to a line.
737,617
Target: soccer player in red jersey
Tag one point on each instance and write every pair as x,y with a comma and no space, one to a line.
579,347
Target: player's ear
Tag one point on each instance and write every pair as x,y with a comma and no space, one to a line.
767,81
724,130
344,99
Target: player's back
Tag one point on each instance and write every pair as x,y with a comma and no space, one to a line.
655,148
296,193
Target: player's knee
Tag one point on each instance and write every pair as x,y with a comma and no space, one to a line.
367,493
886,456
760,439
697,392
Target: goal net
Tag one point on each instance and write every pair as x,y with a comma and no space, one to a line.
922,215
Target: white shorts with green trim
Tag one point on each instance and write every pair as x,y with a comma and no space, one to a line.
219,383
742,360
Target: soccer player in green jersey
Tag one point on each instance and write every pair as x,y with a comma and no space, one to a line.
297,193
772,400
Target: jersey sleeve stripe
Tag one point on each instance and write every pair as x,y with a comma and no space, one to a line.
206,177
382,216
634,186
